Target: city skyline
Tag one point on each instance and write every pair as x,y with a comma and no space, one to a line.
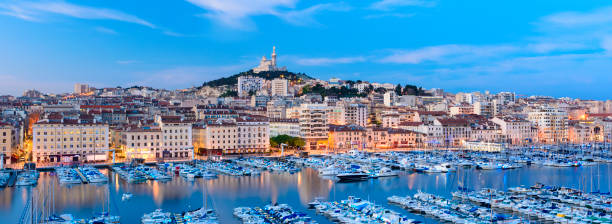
557,50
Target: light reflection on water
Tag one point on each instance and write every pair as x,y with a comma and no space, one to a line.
226,192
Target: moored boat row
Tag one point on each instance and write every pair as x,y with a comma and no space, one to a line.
277,214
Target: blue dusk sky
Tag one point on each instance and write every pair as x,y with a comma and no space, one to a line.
557,48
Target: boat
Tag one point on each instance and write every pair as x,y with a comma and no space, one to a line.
105,218
352,176
436,169
27,178
93,175
126,196
157,217
329,171
209,174
487,166
199,216
317,201
386,172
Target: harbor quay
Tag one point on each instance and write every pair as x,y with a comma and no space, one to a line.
523,185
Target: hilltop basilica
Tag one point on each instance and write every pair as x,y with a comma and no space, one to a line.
266,65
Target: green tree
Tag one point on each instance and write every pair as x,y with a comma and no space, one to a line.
298,142
398,89
286,139
229,93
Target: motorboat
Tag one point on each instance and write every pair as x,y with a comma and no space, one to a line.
386,172
357,175
126,196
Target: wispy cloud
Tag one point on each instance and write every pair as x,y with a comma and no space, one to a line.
573,19
606,44
32,11
174,34
446,53
392,4
127,62
17,12
105,30
328,61
555,46
305,16
394,15
237,14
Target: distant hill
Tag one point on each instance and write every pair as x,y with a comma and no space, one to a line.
233,80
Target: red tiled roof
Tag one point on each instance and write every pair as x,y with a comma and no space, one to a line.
453,122
99,106
410,123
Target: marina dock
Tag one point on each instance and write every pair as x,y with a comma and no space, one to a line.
83,178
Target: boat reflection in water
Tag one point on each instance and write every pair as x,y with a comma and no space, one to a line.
225,193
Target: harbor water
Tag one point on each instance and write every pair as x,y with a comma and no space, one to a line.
224,193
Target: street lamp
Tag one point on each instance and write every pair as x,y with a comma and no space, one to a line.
282,145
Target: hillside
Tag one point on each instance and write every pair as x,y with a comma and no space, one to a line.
233,80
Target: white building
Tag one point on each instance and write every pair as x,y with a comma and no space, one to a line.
390,120
268,65
356,114
390,98
289,127
313,124
81,88
69,141
279,87
407,100
6,141
484,108
506,97
246,84
518,131
362,86
239,135
144,142
177,137
552,124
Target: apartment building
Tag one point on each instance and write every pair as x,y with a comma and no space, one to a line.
484,108
518,131
454,131
142,142
581,132
6,141
391,120
279,87
356,114
247,84
461,109
69,140
347,137
246,134
313,125
289,127
552,124
177,137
